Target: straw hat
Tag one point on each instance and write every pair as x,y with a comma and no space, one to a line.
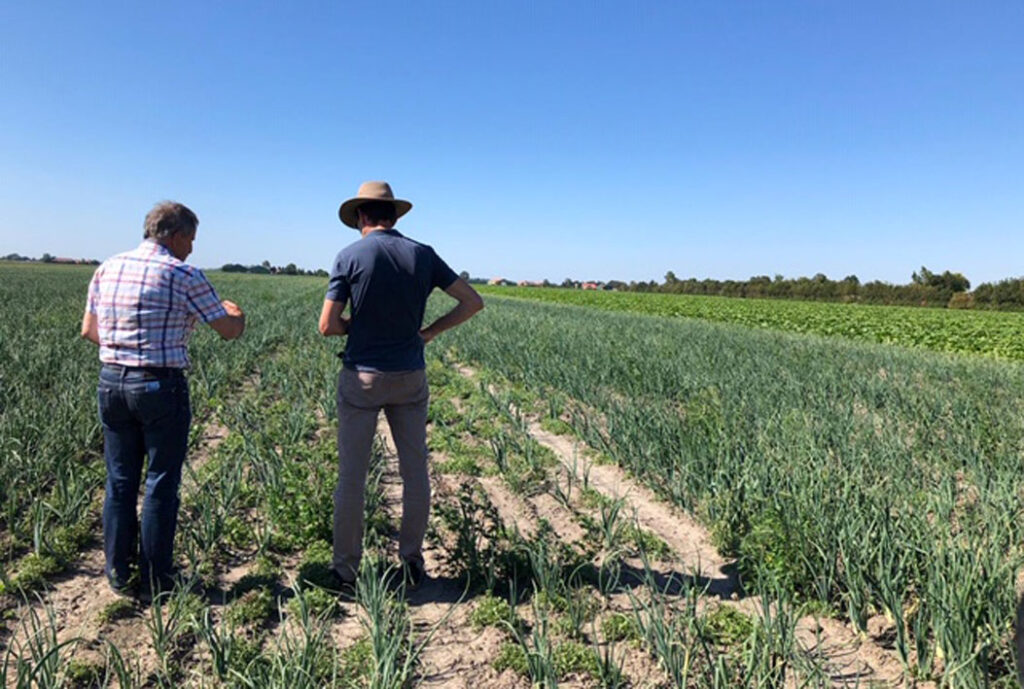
370,191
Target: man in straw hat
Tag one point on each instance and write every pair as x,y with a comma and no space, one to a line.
386,277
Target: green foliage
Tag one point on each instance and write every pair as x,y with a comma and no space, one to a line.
117,610
619,627
968,332
572,657
728,626
81,674
33,570
253,608
320,602
511,656
356,663
315,567
491,611
484,553
854,474
557,426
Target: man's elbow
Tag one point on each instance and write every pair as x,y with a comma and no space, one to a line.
232,330
477,304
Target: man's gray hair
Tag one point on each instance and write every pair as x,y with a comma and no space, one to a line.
169,218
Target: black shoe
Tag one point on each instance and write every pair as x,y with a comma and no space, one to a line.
413,574
164,584
121,586
345,589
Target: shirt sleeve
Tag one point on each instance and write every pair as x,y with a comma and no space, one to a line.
92,303
339,288
202,299
442,276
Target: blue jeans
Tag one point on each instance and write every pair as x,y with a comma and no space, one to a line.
146,415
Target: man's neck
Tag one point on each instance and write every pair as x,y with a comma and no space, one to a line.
376,228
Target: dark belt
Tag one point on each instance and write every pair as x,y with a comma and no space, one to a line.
155,371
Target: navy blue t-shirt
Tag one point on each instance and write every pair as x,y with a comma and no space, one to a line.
388,278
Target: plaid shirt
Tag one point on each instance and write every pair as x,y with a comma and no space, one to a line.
147,303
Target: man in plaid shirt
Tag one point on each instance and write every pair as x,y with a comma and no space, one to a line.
142,307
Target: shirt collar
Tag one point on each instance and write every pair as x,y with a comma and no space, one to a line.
151,246
390,232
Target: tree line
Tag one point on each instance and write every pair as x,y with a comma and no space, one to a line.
266,268
926,288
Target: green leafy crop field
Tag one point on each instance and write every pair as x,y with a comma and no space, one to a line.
992,333
618,500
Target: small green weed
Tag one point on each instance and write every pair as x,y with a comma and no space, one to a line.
253,608
620,627
512,656
728,626
357,663
556,426
319,602
116,610
33,570
82,674
572,657
461,464
492,611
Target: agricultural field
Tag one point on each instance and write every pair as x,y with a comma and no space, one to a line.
619,500
991,333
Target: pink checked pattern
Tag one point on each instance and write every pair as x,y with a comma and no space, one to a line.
147,303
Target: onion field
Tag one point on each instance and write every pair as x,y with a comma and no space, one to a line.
620,499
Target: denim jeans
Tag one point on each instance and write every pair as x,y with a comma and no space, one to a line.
145,414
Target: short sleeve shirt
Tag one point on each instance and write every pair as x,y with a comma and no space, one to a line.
146,304
387,277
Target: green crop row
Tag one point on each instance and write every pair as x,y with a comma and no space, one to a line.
990,333
874,480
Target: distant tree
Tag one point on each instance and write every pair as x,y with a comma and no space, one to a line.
47,258
290,269
320,273
266,264
260,269
568,283
234,268
464,275
670,278
947,281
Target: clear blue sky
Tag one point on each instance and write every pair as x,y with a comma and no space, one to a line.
584,139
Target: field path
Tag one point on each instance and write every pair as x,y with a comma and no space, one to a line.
688,539
850,658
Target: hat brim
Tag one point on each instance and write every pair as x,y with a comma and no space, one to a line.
348,214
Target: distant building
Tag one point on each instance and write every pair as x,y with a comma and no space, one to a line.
530,283
591,285
500,281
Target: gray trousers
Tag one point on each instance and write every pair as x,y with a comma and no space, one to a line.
361,395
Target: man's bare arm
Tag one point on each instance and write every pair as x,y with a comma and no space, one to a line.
232,325
331,320
90,328
469,304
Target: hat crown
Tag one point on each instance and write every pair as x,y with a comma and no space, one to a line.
375,190
370,191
